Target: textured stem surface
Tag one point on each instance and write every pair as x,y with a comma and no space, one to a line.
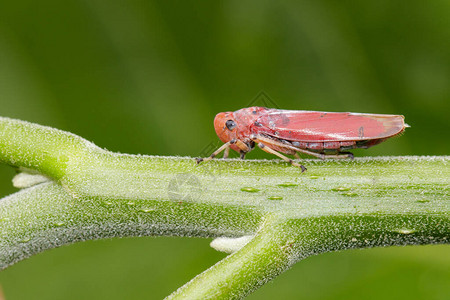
91,193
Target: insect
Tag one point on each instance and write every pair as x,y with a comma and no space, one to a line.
320,134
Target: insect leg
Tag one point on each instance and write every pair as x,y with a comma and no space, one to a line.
215,153
348,155
260,138
226,152
271,151
325,156
341,155
243,146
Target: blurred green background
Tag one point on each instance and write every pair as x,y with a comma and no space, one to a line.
149,76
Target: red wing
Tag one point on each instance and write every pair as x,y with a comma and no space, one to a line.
315,126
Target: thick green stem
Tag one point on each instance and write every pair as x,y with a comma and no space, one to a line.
40,148
335,205
268,254
282,242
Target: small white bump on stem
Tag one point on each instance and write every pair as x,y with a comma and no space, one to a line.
25,180
230,245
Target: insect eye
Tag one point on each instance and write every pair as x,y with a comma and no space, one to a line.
230,124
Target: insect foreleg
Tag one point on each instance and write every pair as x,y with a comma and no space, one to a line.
215,153
242,156
243,146
271,151
226,147
226,152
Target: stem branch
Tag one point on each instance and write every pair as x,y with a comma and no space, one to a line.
92,193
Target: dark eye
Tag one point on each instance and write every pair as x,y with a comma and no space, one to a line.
230,124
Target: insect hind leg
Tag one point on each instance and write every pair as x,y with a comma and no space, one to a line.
266,140
347,155
340,155
270,141
271,151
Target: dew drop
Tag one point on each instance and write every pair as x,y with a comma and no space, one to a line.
314,177
350,194
287,184
404,231
130,203
147,210
107,203
423,201
249,190
275,198
341,189
59,224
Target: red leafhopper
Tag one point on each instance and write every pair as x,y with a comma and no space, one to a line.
316,133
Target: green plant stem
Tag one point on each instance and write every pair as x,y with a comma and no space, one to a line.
264,257
93,193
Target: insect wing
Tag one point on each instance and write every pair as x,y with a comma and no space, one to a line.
315,126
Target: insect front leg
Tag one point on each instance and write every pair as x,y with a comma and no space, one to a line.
267,149
242,154
244,149
243,146
226,152
225,147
